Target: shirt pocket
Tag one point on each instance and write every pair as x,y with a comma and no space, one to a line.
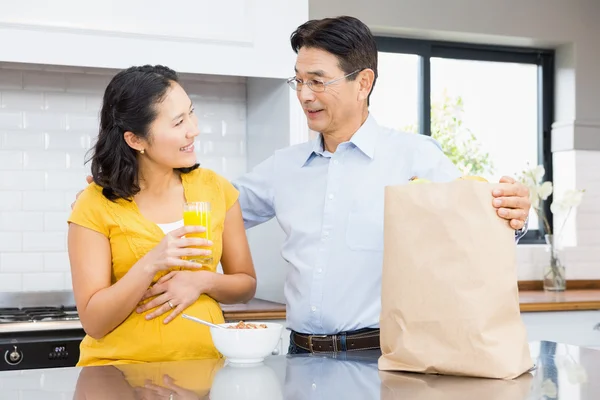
364,231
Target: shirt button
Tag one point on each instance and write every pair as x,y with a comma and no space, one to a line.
331,197
319,270
313,308
314,386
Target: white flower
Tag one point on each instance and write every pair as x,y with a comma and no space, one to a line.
538,173
545,190
571,199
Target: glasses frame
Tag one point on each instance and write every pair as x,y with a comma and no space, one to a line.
296,84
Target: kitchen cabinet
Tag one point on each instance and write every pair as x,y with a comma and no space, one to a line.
581,328
247,38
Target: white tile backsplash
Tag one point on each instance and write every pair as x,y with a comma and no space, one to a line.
45,160
21,221
10,201
21,101
22,180
44,241
11,160
10,241
43,281
11,282
20,140
21,262
11,120
48,121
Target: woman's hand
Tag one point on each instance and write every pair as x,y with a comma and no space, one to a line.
174,292
169,252
170,391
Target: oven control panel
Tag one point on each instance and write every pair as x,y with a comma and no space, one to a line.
31,350
58,352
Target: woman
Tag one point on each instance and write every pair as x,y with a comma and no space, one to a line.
126,232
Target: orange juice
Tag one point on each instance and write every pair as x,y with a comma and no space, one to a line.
198,214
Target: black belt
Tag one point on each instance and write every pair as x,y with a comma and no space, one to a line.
368,340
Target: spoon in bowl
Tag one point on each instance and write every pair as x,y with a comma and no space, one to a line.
202,321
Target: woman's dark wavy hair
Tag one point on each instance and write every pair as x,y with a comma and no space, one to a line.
129,104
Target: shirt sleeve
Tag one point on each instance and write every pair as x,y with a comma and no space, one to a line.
88,210
256,190
431,163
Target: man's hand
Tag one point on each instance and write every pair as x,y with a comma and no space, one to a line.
89,180
511,200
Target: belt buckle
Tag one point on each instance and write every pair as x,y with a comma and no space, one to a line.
310,343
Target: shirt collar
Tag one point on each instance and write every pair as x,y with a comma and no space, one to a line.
364,139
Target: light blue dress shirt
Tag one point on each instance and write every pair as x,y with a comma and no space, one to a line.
330,206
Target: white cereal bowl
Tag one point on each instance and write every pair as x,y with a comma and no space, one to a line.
246,346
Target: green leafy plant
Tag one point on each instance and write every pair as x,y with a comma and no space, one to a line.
458,142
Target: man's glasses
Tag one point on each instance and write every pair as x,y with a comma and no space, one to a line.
314,84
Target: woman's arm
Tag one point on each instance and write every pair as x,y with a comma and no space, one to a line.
102,307
237,284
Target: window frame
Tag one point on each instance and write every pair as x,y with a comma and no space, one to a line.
544,59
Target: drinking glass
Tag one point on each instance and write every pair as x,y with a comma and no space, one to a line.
198,214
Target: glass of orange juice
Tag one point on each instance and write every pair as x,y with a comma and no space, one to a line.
198,214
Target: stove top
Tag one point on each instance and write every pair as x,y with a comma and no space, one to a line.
34,314
38,311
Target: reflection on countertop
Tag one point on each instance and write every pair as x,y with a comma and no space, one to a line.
562,372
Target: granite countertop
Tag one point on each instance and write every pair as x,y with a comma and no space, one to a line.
563,372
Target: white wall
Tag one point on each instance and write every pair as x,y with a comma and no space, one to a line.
273,122
571,27
48,119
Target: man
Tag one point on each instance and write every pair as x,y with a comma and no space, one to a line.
327,194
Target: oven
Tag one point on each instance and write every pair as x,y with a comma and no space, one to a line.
39,330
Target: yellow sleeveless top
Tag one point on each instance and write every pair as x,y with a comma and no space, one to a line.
131,236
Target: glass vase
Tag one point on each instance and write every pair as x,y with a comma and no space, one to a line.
554,270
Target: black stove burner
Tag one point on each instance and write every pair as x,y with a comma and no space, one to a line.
33,314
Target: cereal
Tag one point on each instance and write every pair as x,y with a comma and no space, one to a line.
246,325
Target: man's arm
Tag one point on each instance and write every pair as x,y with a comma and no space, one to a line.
431,162
257,194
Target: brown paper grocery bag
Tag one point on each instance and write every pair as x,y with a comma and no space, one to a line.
402,386
449,286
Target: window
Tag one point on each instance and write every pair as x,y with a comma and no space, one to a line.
490,107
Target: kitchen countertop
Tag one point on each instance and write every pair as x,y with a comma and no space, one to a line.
255,309
530,301
569,300
563,372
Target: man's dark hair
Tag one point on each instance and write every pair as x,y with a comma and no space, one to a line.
129,104
347,38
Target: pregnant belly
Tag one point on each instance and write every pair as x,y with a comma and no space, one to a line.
140,340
